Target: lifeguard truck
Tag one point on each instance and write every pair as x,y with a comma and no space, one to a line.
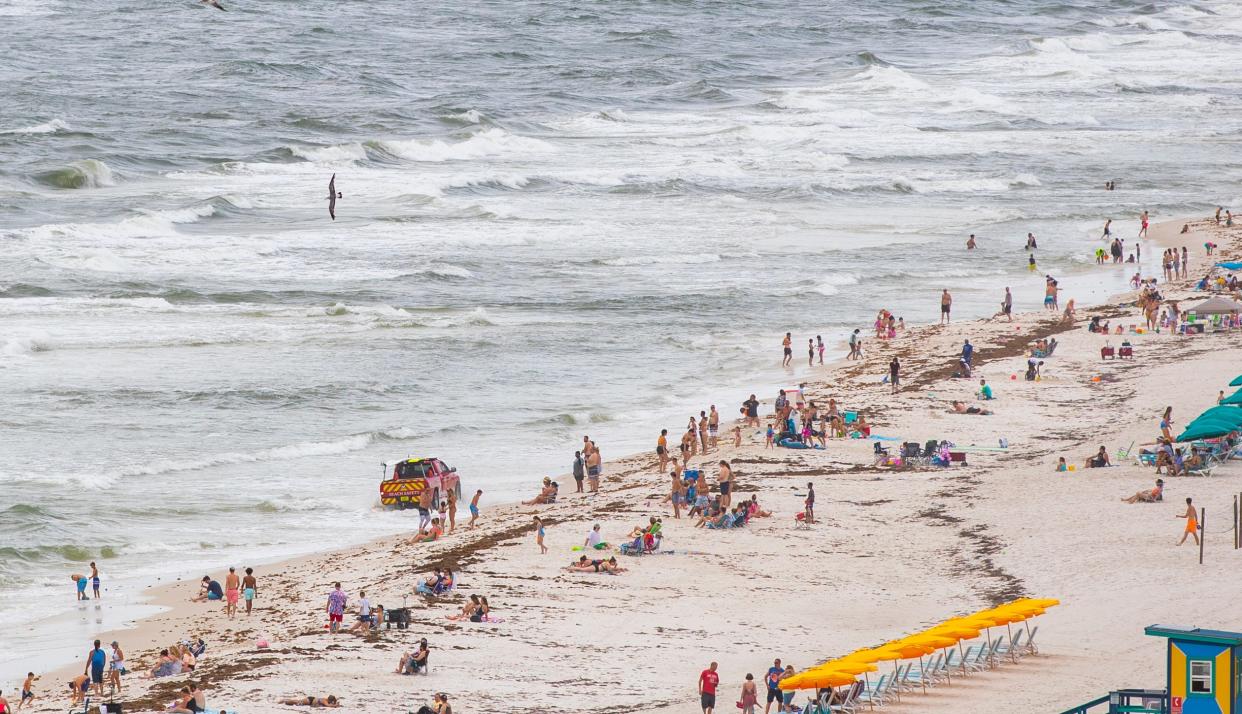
402,487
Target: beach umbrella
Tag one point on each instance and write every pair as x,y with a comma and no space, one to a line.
1237,381
1042,602
1206,430
845,665
865,658
1233,399
812,679
959,632
1230,414
928,640
892,653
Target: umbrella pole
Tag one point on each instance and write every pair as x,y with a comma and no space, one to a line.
870,699
1011,654
962,650
896,680
923,672
947,679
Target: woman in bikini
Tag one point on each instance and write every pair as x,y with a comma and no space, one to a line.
329,701
472,605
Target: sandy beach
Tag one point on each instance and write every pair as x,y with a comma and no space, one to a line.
893,551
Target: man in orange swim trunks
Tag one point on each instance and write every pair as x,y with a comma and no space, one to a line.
1192,523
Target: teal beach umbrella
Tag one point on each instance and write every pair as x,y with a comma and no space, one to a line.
1206,430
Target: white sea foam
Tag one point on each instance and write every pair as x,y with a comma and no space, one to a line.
342,153
490,142
47,127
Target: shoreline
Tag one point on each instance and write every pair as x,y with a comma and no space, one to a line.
853,378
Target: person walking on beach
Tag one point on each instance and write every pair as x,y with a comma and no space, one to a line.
1007,305
894,374
232,589
703,431
1143,221
452,509
708,681
749,696
474,508
95,661
337,600
95,579
1192,523
250,588
968,353
539,535
946,304
1185,263
787,345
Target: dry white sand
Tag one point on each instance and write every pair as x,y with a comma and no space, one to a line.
894,552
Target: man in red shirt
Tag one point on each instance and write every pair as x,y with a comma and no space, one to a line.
707,688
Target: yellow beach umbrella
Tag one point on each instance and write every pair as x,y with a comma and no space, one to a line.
812,679
902,650
863,655
1042,602
957,631
934,642
857,659
845,665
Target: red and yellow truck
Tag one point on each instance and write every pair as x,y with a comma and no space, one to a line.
402,487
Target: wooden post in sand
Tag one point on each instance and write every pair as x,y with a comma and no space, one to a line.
1202,531
1235,522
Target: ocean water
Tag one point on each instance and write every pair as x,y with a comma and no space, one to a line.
559,218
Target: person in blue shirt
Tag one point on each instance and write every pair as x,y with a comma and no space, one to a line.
774,693
968,352
208,589
985,389
95,665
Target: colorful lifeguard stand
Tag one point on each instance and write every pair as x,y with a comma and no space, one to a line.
1203,669
1203,672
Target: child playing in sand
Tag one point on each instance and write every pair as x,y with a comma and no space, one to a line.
737,436
1061,465
27,690
770,436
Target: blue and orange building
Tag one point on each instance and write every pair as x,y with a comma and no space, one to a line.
1203,672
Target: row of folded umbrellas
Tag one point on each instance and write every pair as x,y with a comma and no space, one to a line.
1219,420
843,671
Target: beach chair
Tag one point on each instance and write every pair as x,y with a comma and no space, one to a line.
878,694
1011,647
1030,642
919,677
977,657
881,454
1201,470
848,705
954,662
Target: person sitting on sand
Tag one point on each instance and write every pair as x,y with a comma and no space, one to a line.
439,705
432,533
755,510
959,407
167,666
861,426
1061,465
411,662
208,589
471,609
1148,496
546,495
196,701
985,389
329,701
1099,460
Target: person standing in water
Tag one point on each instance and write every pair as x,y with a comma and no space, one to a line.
1030,241
970,242
1108,229
810,353
946,304
1143,230
787,345
474,508
819,347
1192,523
95,579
